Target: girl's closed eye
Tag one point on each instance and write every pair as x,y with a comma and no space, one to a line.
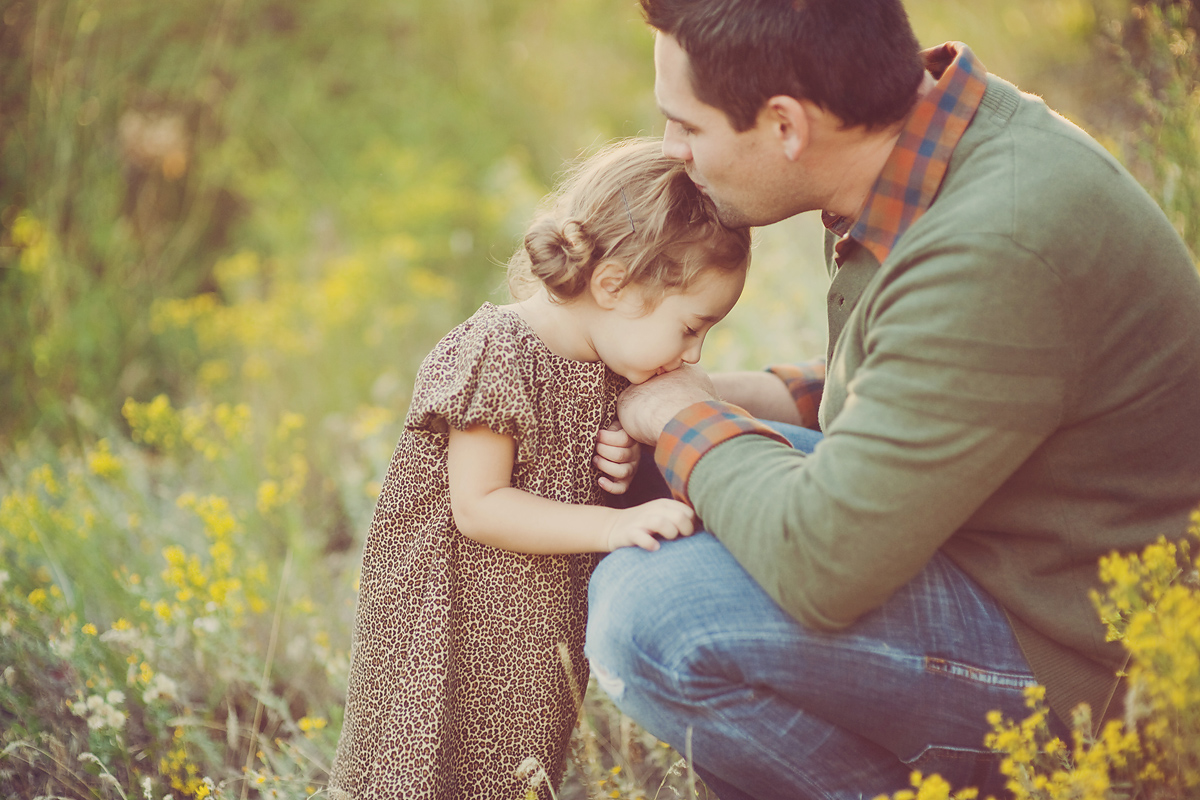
691,331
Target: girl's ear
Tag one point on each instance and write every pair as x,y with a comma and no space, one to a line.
606,283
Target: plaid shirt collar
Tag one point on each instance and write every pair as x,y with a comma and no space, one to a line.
914,171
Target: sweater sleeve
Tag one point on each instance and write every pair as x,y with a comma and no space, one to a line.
964,370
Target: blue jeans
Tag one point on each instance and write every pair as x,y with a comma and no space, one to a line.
685,642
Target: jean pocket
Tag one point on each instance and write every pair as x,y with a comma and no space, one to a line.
962,767
990,677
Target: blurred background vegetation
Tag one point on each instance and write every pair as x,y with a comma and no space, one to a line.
229,232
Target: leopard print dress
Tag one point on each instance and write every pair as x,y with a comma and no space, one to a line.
467,660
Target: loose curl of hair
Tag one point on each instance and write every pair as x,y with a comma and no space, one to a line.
630,204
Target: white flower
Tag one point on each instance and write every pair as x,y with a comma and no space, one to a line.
160,686
114,718
10,676
206,624
98,711
126,636
63,648
3,577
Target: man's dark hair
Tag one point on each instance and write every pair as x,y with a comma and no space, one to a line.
857,59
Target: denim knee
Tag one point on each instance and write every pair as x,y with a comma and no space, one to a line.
611,620
642,627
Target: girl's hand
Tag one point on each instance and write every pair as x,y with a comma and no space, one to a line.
637,525
617,456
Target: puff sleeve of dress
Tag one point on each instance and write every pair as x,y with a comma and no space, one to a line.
477,375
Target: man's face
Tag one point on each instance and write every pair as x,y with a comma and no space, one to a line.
741,172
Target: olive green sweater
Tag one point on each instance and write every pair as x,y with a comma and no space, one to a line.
1018,384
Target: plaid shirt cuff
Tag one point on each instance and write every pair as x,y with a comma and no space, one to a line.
696,430
806,382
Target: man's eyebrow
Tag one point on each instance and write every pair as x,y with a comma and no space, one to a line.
673,117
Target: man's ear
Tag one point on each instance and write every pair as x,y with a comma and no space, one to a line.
606,283
790,122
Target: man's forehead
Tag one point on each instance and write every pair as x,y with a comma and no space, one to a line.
672,83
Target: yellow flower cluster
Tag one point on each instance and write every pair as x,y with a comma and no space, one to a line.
33,240
211,586
1151,605
931,787
310,725
103,463
183,775
209,430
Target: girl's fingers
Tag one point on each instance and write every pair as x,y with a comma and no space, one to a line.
614,470
615,438
645,541
620,455
611,486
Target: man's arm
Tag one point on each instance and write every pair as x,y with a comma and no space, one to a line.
959,372
760,393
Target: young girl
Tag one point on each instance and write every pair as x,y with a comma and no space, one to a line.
467,667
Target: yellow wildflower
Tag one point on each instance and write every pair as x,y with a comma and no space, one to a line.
103,463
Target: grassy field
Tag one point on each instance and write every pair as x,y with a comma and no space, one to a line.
230,232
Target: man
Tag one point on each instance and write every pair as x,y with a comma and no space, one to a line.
1013,390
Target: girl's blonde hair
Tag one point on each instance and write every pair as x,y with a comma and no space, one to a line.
631,204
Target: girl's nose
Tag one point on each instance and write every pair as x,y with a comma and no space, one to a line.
692,354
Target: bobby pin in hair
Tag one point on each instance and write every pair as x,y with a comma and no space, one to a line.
628,213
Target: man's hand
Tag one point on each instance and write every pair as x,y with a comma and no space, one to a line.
646,408
617,456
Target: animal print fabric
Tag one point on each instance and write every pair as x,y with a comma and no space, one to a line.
467,660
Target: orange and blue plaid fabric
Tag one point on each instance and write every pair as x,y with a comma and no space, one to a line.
806,382
913,173
696,430
904,190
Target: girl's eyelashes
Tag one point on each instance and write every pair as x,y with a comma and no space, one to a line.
691,331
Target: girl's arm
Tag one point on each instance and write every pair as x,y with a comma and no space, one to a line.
487,508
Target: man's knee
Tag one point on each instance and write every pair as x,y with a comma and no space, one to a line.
612,615
647,617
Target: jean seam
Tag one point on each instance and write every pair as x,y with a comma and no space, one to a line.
948,753
1001,679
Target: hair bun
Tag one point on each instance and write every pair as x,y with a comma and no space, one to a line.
559,254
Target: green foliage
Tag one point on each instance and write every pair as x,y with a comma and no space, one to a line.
142,142
1156,45
228,234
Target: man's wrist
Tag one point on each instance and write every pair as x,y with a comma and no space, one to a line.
694,431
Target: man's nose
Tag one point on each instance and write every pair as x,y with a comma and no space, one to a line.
674,143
